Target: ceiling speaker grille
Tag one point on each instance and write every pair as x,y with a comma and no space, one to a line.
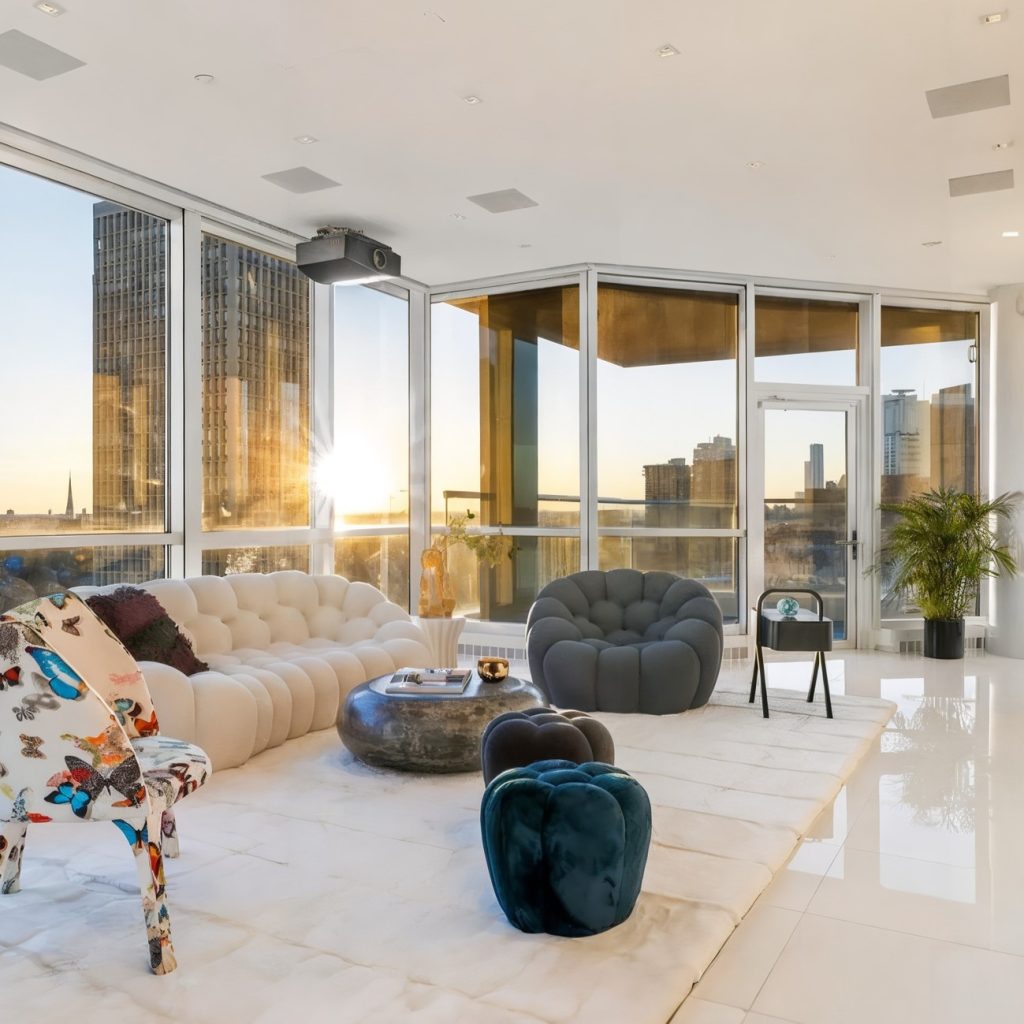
300,180
972,184
503,201
34,58
968,97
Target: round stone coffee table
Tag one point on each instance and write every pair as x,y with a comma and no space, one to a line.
429,732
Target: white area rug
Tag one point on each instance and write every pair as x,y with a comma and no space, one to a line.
314,889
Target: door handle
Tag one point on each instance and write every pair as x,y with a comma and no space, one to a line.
850,544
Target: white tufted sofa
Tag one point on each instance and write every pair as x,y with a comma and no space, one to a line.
283,649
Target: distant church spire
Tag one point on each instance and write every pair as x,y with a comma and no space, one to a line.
70,510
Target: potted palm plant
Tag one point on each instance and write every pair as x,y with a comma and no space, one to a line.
942,544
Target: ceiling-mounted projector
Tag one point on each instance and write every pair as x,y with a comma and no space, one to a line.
346,256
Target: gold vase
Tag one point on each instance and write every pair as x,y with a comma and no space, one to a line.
437,599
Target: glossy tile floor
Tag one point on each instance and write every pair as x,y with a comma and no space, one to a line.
905,903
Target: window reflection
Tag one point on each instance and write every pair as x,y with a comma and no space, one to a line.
228,561
25,575
929,415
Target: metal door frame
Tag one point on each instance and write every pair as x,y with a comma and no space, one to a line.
852,402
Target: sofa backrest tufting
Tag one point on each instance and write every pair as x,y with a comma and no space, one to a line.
222,614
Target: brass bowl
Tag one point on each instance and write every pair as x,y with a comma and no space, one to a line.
492,670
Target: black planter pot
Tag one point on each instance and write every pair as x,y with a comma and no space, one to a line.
944,638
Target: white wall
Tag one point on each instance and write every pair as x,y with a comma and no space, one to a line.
1007,456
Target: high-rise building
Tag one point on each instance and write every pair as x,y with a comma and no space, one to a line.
906,427
814,469
255,388
952,439
129,467
713,482
666,493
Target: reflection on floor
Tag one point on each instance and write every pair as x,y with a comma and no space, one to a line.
906,901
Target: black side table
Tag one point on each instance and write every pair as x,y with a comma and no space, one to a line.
804,631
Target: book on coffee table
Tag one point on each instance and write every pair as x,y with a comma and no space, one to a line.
429,680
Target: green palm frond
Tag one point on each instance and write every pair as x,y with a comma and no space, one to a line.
942,545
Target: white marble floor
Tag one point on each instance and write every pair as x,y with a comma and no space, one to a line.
905,903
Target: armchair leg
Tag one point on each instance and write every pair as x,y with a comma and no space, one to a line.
149,865
12,846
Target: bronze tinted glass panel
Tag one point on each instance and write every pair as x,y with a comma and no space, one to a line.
805,341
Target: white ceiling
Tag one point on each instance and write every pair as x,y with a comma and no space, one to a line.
632,158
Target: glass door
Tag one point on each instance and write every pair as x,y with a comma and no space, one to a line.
809,504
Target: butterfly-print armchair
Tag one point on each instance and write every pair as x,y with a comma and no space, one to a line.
79,741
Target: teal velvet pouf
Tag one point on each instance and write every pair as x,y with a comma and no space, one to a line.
566,845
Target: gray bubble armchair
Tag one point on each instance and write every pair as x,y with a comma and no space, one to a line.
625,641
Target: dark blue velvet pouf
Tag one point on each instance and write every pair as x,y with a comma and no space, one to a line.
566,845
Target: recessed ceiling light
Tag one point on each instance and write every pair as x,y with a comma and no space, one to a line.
306,140
994,18
526,245
755,165
53,10
472,100
928,245
1005,144
1011,234
458,216
203,79
668,50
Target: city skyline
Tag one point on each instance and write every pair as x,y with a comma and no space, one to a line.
58,310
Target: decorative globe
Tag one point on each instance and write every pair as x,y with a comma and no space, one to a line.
788,607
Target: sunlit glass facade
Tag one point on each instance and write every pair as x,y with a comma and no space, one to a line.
190,403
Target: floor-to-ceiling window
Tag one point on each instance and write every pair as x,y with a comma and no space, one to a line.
667,433
84,345
806,372
505,407
929,388
256,405
366,472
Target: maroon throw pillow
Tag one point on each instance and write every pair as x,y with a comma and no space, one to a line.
148,638
126,611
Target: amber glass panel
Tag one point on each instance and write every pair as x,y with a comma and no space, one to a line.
712,560
666,407
505,407
805,341
255,389
929,411
25,575
382,561
226,561
83,338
